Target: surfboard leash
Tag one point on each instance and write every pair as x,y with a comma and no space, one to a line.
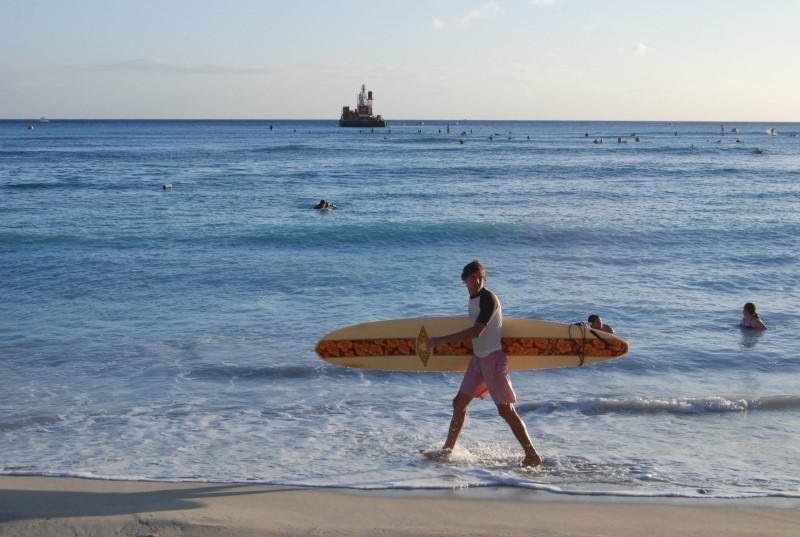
598,336
581,348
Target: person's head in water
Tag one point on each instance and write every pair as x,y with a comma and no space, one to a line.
751,309
751,318
596,322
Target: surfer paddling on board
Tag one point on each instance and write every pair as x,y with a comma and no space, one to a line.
488,368
325,205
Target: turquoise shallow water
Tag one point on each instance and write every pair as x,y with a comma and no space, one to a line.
151,334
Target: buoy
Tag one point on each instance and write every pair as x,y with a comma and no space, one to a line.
30,126
168,186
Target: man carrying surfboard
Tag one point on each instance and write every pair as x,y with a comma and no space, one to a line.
488,368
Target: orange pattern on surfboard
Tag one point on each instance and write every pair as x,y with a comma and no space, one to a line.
511,346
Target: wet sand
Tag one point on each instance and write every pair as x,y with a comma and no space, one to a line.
50,506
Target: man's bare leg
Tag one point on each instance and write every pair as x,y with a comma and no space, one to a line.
509,413
460,404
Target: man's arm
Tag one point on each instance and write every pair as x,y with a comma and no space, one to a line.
468,333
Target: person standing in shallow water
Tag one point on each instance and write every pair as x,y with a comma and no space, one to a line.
750,318
487,372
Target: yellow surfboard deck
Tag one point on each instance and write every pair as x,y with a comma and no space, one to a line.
401,345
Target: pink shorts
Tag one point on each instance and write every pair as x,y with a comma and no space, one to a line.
489,375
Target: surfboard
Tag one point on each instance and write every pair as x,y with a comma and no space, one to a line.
401,345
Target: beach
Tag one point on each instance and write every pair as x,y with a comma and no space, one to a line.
45,506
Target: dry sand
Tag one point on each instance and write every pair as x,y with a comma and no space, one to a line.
48,506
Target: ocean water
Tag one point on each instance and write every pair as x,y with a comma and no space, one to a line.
155,334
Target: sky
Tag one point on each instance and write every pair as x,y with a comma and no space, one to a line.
619,60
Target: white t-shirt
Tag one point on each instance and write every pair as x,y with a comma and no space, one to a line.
485,308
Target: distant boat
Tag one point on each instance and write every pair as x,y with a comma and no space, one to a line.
44,120
362,115
772,132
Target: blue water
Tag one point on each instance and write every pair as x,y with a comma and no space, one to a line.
151,334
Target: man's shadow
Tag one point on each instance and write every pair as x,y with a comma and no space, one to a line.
30,504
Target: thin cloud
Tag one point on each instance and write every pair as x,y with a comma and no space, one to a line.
483,12
437,24
544,3
639,49
170,67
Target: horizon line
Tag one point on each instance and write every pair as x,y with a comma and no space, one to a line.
51,119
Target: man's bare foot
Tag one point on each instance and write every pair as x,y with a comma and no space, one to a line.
438,454
532,460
